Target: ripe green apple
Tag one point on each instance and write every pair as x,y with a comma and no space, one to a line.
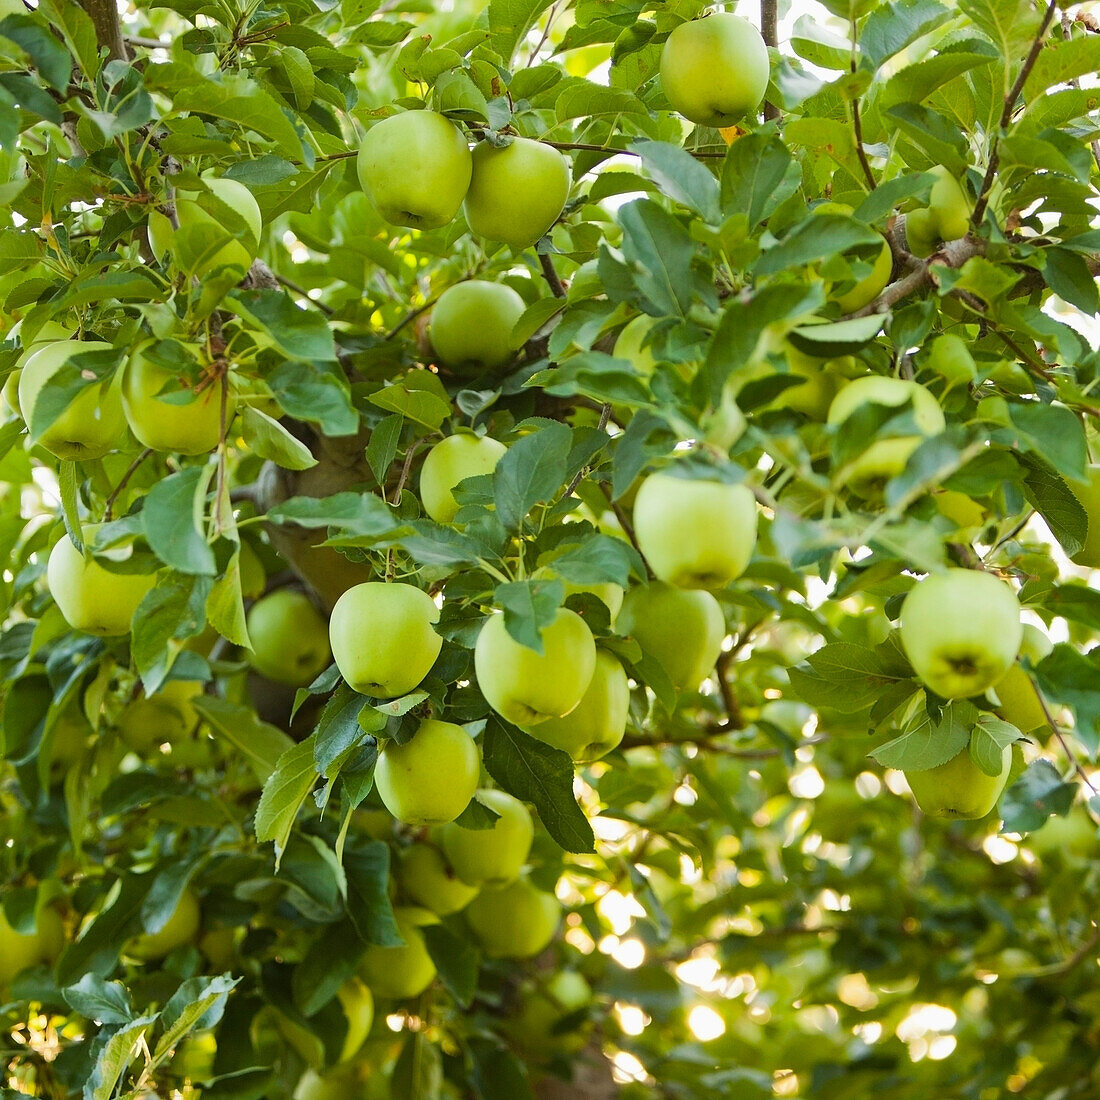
426,878
542,1011
948,206
190,429
681,629
167,716
961,631
695,534
959,788
471,326
450,462
714,71
812,397
629,344
526,687
204,242
182,927
19,951
405,971
1020,702
93,424
1088,494
598,722
357,1002
48,334
516,192
431,778
885,458
92,599
415,167
289,638
514,921
496,855
383,638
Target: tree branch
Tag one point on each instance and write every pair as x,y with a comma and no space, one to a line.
769,30
553,280
108,30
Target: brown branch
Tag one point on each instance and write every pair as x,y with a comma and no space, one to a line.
124,481
108,30
769,30
553,280
865,164
734,718
409,317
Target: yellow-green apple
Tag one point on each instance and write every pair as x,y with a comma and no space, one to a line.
948,206
535,1027
404,971
812,397
1088,493
961,631
427,878
526,687
516,192
182,927
495,855
598,722
92,425
383,638
959,788
1074,834
885,458
168,715
714,71
695,534
357,1002
514,921
867,289
431,778
204,242
921,234
289,638
471,326
49,333
148,397
630,344
681,629
194,1057
1016,692
959,508
415,167
91,598
219,946
607,592
19,951
450,462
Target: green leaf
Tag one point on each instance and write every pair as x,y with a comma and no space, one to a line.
1009,24
681,177
927,742
316,394
457,961
815,238
269,439
509,22
758,174
225,606
1053,499
537,773
1037,794
1068,275
1070,677
357,515
837,337
597,560
530,472
529,608
1053,432
939,137
51,60
100,1000
173,611
298,333
198,1002
990,738
368,871
660,253
382,446
122,1048
174,518
892,27
261,744
97,948
420,405
338,729
418,1072
284,794
843,677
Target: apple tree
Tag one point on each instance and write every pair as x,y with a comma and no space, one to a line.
547,549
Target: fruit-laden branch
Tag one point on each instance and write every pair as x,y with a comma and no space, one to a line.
108,30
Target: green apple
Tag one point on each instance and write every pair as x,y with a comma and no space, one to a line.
525,687
253,576
535,1027
867,289
92,425
204,242
182,927
92,599
1088,494
607,592
496,855
921,234
357,1002
383,637
471,326
630,344
219,946
19,951
289,638
190,429
598,722
682,630
405,971
1074,834
812,397
885,458
948,206
714,71
431,778
1016,692
194,1057
426,878
516,192
514,921
415,167
48,334
167,716
961,631
959,788
959,508
695,534
450,462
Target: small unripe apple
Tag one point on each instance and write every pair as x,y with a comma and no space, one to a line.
959,788
525,687
948,206
629,344
514,921
405,971
921,234
415,167
431,778
471,326
181,928
598,722
867,289
92,425
495,855
383,638
681,629
715,71
92,599
542,1011
427,879
961,631
19,951
289,638
1015,690
357,1002
516,192
450,462
167,716
695,534
1088,493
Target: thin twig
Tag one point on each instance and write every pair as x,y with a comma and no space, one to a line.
1071,756
124,482
296,289
605,415
734,719
769,30
860,151
410,316
553,280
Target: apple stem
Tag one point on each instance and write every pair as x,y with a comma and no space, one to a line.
123,482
